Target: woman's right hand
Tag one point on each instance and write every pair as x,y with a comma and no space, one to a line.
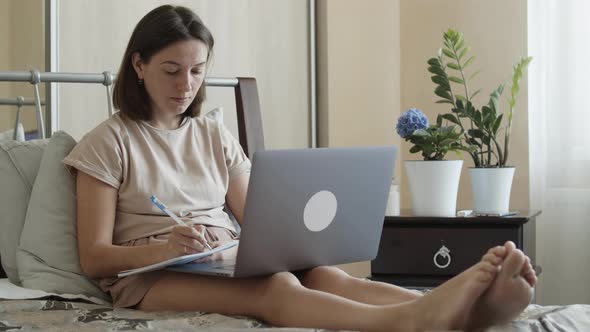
186,240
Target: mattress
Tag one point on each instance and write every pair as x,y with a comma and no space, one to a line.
31,310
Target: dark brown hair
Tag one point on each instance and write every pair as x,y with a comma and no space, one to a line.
158,29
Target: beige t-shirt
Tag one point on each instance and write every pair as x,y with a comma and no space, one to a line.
188,169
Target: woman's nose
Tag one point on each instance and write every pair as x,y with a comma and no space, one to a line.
184,83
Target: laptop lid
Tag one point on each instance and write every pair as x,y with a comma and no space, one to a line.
314,207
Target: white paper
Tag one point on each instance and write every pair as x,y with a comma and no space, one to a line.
177,261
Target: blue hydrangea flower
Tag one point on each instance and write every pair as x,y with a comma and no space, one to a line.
411,120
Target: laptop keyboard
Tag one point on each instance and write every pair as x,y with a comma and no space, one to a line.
224,264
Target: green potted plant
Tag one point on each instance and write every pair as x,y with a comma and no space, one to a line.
486,131
433,181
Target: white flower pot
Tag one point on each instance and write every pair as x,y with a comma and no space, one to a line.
491,189
433,186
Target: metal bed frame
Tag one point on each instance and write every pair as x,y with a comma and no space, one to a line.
245,89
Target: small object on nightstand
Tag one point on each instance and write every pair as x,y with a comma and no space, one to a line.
392,208
464,213
505,214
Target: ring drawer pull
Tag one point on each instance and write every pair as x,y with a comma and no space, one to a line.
443,252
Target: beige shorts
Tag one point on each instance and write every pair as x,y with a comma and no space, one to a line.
129,291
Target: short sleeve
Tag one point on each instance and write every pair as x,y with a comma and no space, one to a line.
100,155
235,159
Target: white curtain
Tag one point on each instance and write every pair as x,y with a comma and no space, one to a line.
559,120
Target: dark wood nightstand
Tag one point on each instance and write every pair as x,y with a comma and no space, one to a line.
423,252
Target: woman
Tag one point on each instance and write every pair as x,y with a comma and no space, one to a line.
157,144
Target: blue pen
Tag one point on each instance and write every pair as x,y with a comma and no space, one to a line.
164,209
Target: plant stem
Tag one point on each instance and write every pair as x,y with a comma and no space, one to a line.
476,159
507,139
499,148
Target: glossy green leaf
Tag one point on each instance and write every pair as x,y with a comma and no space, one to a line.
456,79
497,124
475,93
476,133
463,51
450,117
468,61
437,70
453,66
444,101
474,74
433,62
443,93
421,132
448,53
442,81
415,149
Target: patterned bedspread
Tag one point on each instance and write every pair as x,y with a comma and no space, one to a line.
58,315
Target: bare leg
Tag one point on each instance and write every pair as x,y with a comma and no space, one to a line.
281,300
335,281
490,308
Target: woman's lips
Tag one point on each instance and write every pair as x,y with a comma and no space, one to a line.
180,100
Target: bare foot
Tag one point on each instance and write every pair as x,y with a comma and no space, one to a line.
528,273
508,295
448,306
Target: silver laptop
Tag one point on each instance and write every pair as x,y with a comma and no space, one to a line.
308,208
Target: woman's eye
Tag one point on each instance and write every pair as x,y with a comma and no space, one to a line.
170,72
197,72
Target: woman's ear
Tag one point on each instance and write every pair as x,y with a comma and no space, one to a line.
137,64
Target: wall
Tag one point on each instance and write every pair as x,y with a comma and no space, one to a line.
22,44
6,112
358,77
264,39
497,34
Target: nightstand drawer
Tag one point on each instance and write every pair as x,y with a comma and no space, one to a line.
436,251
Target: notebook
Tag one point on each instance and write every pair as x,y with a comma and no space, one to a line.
177,261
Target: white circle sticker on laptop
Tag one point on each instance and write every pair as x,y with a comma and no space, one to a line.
320,211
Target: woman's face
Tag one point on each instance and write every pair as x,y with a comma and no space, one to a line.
173,76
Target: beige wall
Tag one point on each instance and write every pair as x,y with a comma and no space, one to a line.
6,112
22,47
265,39
497,34
358,76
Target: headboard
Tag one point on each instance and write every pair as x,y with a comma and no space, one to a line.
250,132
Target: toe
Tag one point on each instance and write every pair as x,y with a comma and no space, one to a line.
487,271
513,263
510,246
526,268
531,278
491,258
499,251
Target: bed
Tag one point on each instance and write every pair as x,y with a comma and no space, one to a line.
35,310
24,309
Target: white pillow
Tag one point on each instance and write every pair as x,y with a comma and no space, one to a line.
19,163
47,257
8,135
